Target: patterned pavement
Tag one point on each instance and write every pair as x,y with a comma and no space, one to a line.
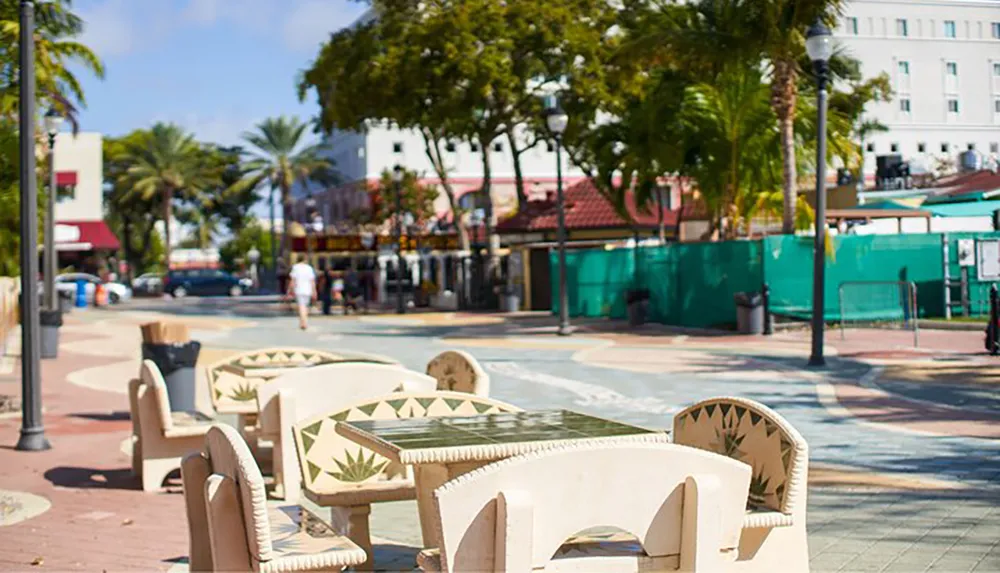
902,496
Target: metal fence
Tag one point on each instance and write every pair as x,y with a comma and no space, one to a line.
879,304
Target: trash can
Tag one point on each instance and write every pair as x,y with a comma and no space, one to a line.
749,312
511,303
65,301
81,293
637,305
49,321
176,363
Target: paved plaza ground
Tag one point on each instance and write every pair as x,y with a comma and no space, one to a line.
903,442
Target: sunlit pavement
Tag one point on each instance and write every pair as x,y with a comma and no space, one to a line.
890,491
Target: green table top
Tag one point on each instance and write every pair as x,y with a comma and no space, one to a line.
400,436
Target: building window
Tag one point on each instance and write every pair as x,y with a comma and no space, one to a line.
996,70
901,28
397,147
904,68
996,105
971,147
952,106
550,147
474,147
949,28
996,30
921,147
951,68
994,147
852,26
894,148
944,148
498,147
450,147
904,105
871,148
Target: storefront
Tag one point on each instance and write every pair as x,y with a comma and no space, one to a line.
432,273
86,246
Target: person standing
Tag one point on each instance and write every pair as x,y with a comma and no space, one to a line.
302,286
326,290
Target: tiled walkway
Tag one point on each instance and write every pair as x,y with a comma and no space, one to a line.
99,519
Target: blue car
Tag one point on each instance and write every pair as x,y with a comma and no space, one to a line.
202,282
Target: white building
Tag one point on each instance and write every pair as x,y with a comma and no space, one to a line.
943,57
80,231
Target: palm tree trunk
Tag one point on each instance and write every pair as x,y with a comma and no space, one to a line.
286,213
168,197
274,236
783,100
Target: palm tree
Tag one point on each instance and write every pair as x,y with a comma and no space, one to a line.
56,54
279,159
781,25
167,162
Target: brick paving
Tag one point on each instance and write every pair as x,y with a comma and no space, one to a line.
101,520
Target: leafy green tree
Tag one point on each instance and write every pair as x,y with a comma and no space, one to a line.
280,158
249,236
404,85
417,200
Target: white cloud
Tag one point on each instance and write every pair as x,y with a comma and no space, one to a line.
310,22
108,29
202,11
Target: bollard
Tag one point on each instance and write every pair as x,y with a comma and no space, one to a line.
991,331
765,292
81,293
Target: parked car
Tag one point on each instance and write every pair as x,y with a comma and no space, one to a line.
149,283
117,292
202,282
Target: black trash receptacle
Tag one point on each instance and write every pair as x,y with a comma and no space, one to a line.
50,322
749,312
637,306
176,363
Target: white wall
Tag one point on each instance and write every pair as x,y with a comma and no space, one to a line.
927,53
81,153
916,225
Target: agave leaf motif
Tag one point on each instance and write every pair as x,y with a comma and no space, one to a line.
758,488
728,440
244,393
356,470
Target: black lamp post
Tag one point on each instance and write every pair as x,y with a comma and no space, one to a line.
32,432
397,180
53,121
310,205
557,120
819,45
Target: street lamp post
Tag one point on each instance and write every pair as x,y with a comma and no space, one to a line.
310,210
253,255
819,45
397,180
557,120
53,121
32,432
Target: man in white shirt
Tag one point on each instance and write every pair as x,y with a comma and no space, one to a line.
302,285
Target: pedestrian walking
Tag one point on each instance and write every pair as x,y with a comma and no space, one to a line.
352,290
302,287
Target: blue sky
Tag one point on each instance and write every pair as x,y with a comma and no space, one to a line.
216,67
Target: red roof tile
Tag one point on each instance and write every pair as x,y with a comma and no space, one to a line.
586,208
977,182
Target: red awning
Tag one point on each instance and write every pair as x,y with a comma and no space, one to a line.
66,178
85,236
